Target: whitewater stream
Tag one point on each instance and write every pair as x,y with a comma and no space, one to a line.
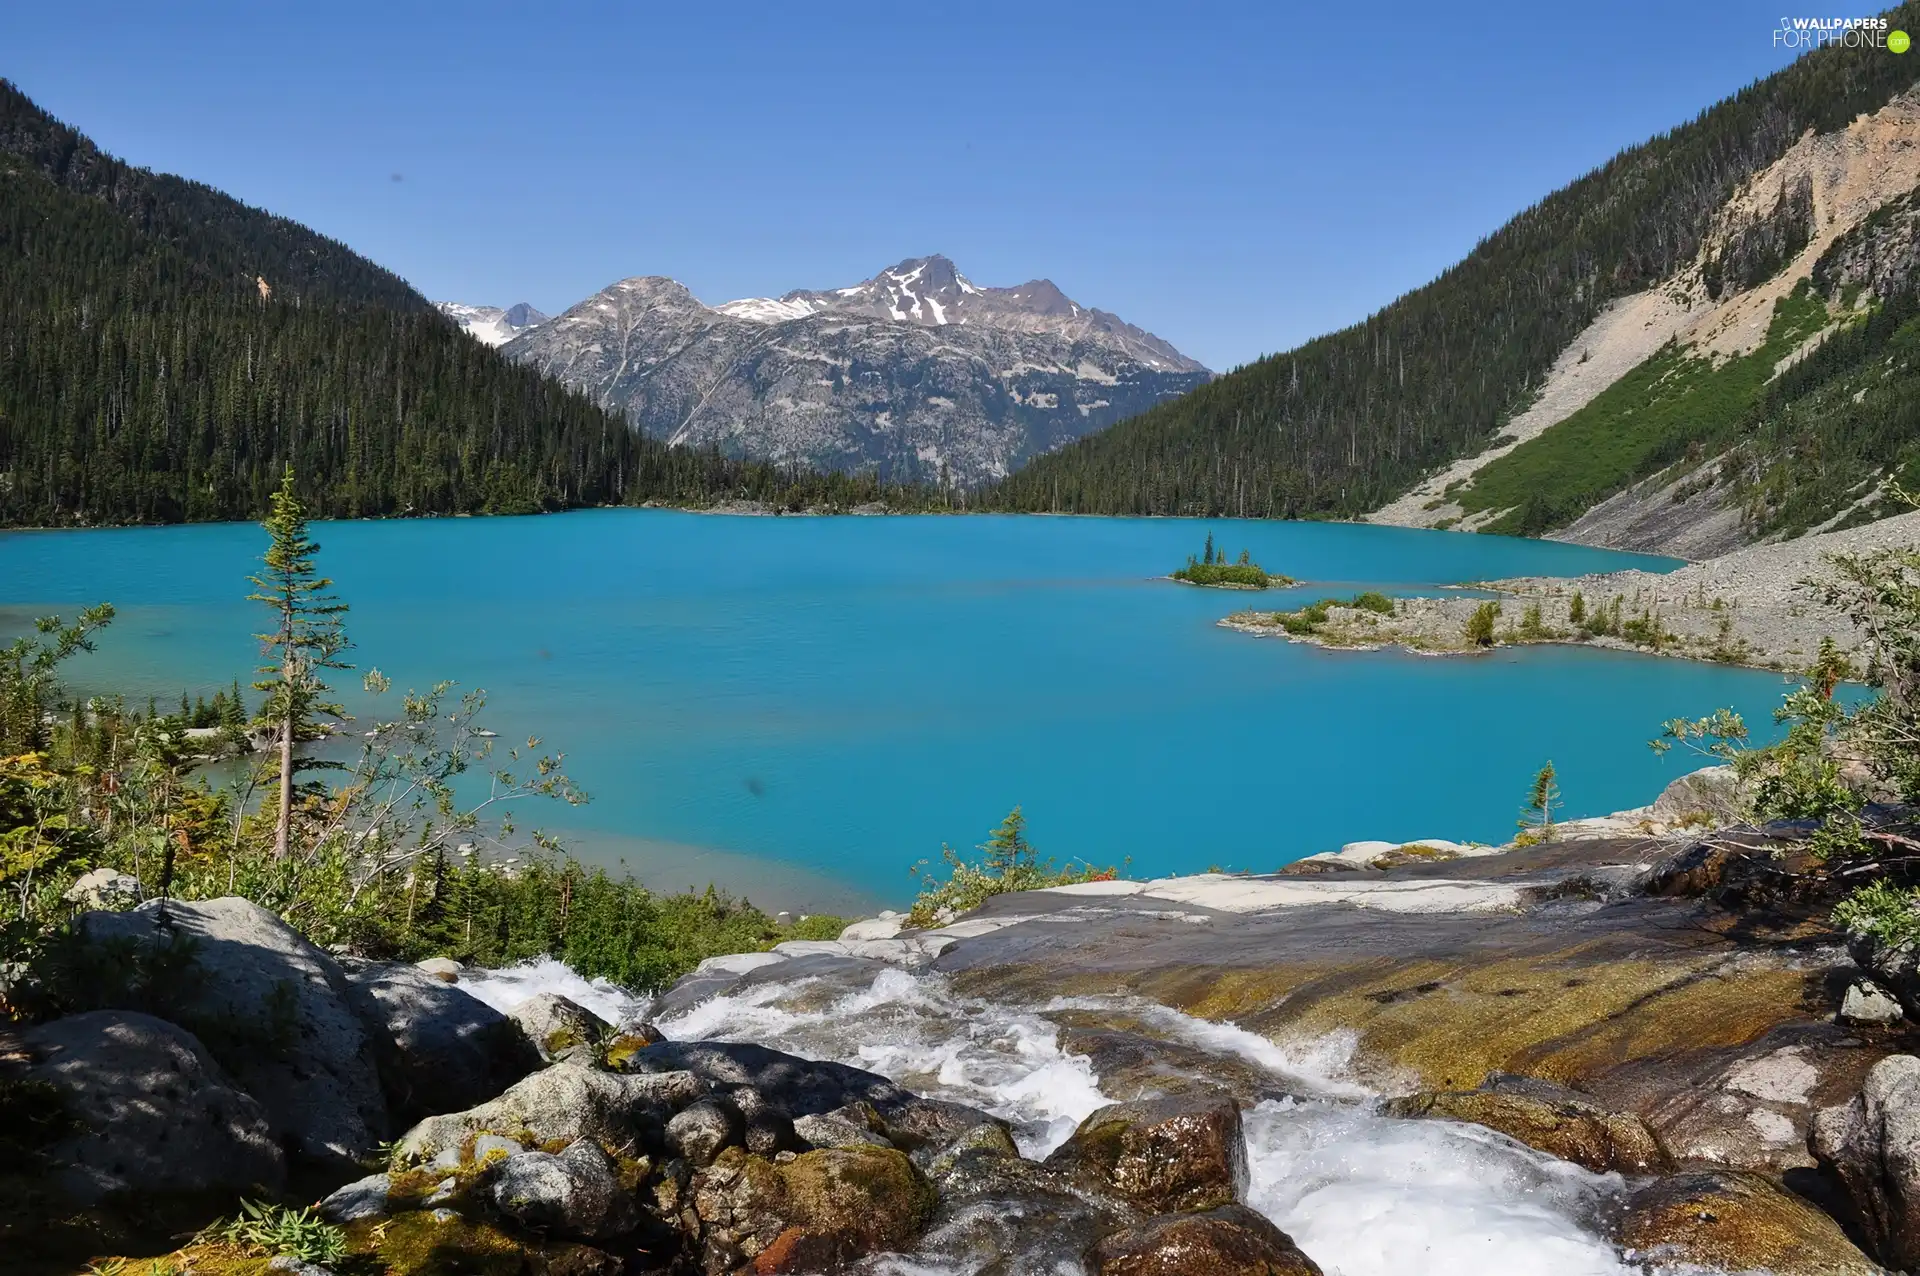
1363,1194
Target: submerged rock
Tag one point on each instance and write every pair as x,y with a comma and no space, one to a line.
1873,1146
136,1105
274,1010
1736,1222
1163,1155
441,1048
1550,1118
1231,1240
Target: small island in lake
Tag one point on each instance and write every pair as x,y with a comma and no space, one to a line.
1212,568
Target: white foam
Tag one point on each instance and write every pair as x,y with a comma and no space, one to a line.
1366,1195
506,988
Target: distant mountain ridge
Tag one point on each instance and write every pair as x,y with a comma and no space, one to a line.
916,374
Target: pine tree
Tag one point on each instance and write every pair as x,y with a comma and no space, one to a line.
1007,849
236,708
1542,800
1207,558
307,637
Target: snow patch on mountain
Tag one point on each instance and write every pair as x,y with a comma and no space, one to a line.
492,325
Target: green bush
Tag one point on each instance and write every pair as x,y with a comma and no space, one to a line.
1008,863
1889,913
1479,630
1372,600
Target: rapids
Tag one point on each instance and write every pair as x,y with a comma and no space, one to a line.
1363,1194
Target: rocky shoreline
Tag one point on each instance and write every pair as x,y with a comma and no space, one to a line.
1633,1048
1754,607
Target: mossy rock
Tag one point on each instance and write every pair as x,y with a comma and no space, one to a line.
868,1194
1180,1153
1550,1119
1736,1222
419,1244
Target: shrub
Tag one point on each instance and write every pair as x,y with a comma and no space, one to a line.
1889,913
1372,600
1008,863
1480,625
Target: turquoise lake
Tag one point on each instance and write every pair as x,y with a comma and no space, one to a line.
802,708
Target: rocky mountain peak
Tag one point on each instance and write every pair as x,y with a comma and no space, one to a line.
917,372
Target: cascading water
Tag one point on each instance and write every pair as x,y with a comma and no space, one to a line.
1362,1193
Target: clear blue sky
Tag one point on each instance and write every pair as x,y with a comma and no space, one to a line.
1235,177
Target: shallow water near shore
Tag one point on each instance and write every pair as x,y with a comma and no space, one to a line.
802,708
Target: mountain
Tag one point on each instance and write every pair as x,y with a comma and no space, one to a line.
1578,351
490,325
165,350
916,374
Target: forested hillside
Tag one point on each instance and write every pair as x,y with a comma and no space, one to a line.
1351,419
165,351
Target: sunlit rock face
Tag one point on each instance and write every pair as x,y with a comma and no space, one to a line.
917,373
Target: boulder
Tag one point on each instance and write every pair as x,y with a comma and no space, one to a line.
1231,1240
618,1050
1185,1153
103,888
137,1105
821,1210
445,969
558,1027
1893,967
573,1194
362,1198
1873,1146
275,1011
1550,1118
703,1130
792,1087
831,1130
560,1104
1735,1222
1869,1005
1709,797
440,1048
